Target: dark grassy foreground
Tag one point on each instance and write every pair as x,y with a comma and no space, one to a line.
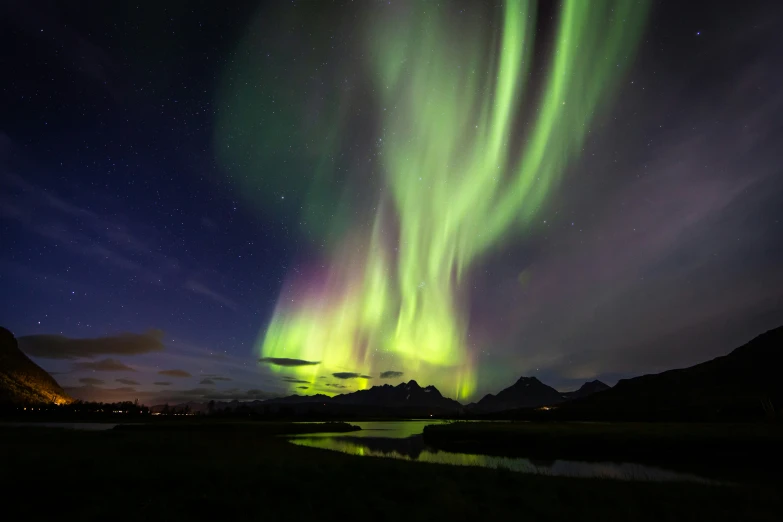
743,451
241,472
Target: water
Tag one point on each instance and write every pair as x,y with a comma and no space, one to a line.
403,440
382,429
88,426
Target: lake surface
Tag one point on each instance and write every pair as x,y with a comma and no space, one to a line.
403,440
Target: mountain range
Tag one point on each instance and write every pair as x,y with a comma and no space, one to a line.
529,392
403,395
743,384
408,399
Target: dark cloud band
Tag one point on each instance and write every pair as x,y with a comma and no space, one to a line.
61,347
282,361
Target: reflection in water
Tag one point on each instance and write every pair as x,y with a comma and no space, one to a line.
386,429
403,441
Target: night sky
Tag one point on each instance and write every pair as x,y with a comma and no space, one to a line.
196,187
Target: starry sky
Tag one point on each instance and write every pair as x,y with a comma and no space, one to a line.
185,189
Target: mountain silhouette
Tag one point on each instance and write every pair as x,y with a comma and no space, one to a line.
299,399
527,392
407,399
21,380
746,382
742,384
586,389
404,395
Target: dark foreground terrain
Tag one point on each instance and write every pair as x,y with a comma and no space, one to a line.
738,452
245,472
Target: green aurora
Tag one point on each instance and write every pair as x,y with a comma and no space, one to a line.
470,147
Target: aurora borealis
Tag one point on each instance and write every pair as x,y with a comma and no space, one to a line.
269,198
456,181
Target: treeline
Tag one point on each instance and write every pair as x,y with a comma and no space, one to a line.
78,410
175,410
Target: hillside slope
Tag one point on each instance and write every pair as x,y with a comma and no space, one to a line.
746,383
21,380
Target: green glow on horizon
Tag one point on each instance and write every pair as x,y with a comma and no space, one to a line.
457,184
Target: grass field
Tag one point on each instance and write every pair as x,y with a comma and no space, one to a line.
243,472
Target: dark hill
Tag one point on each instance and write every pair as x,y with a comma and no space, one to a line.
21,380
585,390
744,384
527,392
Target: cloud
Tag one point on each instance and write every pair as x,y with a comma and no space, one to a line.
174,373
303,387
350,375
207,381
61,347
90,392
163,395
215,377
335,385
296,381
234,394
282,361
390,374
238,395
104,365
201,289
127,381
90,380
197,391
